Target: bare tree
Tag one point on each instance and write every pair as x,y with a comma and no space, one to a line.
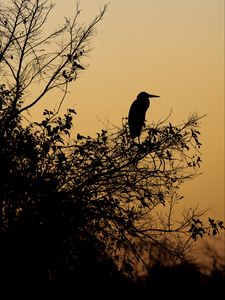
29,55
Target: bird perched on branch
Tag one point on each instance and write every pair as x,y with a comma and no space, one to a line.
136,116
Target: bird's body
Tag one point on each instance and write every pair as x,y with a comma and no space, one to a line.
136,116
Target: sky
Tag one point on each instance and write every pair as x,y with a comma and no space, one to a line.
171,48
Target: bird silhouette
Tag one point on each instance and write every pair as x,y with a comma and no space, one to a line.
136,116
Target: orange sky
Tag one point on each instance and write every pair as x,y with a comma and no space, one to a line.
173,48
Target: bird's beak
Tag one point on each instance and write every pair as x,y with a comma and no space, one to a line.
153,96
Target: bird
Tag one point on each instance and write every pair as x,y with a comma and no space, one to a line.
136,116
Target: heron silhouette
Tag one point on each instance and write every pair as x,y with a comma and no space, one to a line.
136,116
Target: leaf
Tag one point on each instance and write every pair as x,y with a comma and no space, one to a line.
72,111
80,137
80,67
215,231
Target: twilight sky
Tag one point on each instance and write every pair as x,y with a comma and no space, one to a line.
172,48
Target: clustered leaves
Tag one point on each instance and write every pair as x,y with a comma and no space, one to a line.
198,229
119,192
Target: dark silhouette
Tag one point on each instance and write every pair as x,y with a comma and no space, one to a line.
136,117
80,214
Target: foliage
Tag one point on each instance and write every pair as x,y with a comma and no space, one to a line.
111,191
85,205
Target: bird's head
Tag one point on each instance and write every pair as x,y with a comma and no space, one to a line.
144,95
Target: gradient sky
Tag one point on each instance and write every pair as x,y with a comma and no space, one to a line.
173,48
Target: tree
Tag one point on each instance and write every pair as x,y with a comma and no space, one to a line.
61,197
29,54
